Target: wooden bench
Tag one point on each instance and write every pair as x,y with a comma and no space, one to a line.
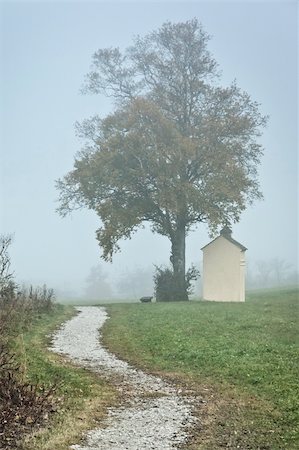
146,299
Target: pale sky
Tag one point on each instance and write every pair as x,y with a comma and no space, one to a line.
46,50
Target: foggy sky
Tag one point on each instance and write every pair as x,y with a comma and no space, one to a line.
46,50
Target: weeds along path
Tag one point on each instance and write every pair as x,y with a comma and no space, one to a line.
153,415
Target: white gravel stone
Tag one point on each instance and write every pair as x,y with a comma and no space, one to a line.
143,423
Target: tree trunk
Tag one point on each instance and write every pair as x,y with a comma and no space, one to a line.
178,247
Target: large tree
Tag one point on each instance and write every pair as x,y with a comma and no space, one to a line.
178,149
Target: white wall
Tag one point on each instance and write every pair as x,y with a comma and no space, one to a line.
223,271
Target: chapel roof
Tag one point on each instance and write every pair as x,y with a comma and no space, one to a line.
226,233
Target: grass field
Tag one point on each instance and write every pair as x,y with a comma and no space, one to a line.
241,358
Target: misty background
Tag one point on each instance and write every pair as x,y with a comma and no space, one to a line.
46,50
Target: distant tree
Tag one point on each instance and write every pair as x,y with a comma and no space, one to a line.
98,287
264,273
280,270
272,272
136,283
293,277
178,149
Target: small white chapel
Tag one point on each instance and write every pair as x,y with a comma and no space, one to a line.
224,269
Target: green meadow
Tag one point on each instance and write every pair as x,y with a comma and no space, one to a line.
241,359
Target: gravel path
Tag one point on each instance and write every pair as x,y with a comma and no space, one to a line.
155,415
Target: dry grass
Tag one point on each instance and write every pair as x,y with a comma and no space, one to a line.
83,396
71,423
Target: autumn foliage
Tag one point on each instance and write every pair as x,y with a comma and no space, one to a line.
178,149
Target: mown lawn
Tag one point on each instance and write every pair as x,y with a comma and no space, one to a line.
241,358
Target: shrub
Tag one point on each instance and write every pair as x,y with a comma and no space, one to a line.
22,405
7,284
166,285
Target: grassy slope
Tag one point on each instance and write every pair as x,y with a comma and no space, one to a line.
242,358
83,396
